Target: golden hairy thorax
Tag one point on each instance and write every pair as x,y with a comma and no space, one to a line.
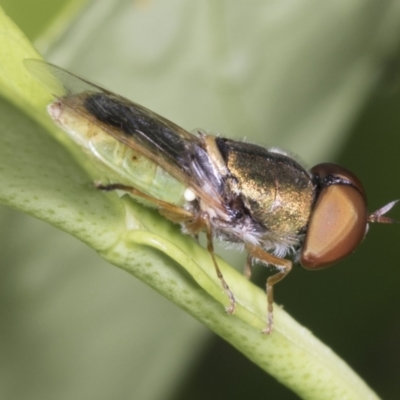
278,191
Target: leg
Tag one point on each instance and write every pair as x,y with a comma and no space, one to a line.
171,212
248,266
202,222
193,223
284,267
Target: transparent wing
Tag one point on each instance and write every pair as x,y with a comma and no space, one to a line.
160,140
57,81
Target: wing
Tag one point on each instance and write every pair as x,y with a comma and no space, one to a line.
172,148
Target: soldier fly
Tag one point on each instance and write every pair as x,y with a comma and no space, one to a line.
232,190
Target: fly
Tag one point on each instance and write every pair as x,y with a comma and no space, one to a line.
235,191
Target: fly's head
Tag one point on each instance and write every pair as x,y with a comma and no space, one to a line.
339,220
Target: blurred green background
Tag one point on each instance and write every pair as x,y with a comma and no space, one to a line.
33,16
64,333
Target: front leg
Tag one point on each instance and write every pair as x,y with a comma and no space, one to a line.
284,266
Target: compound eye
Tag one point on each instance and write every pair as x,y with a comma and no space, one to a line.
339,219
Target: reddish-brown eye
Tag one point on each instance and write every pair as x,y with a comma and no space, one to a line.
339,219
